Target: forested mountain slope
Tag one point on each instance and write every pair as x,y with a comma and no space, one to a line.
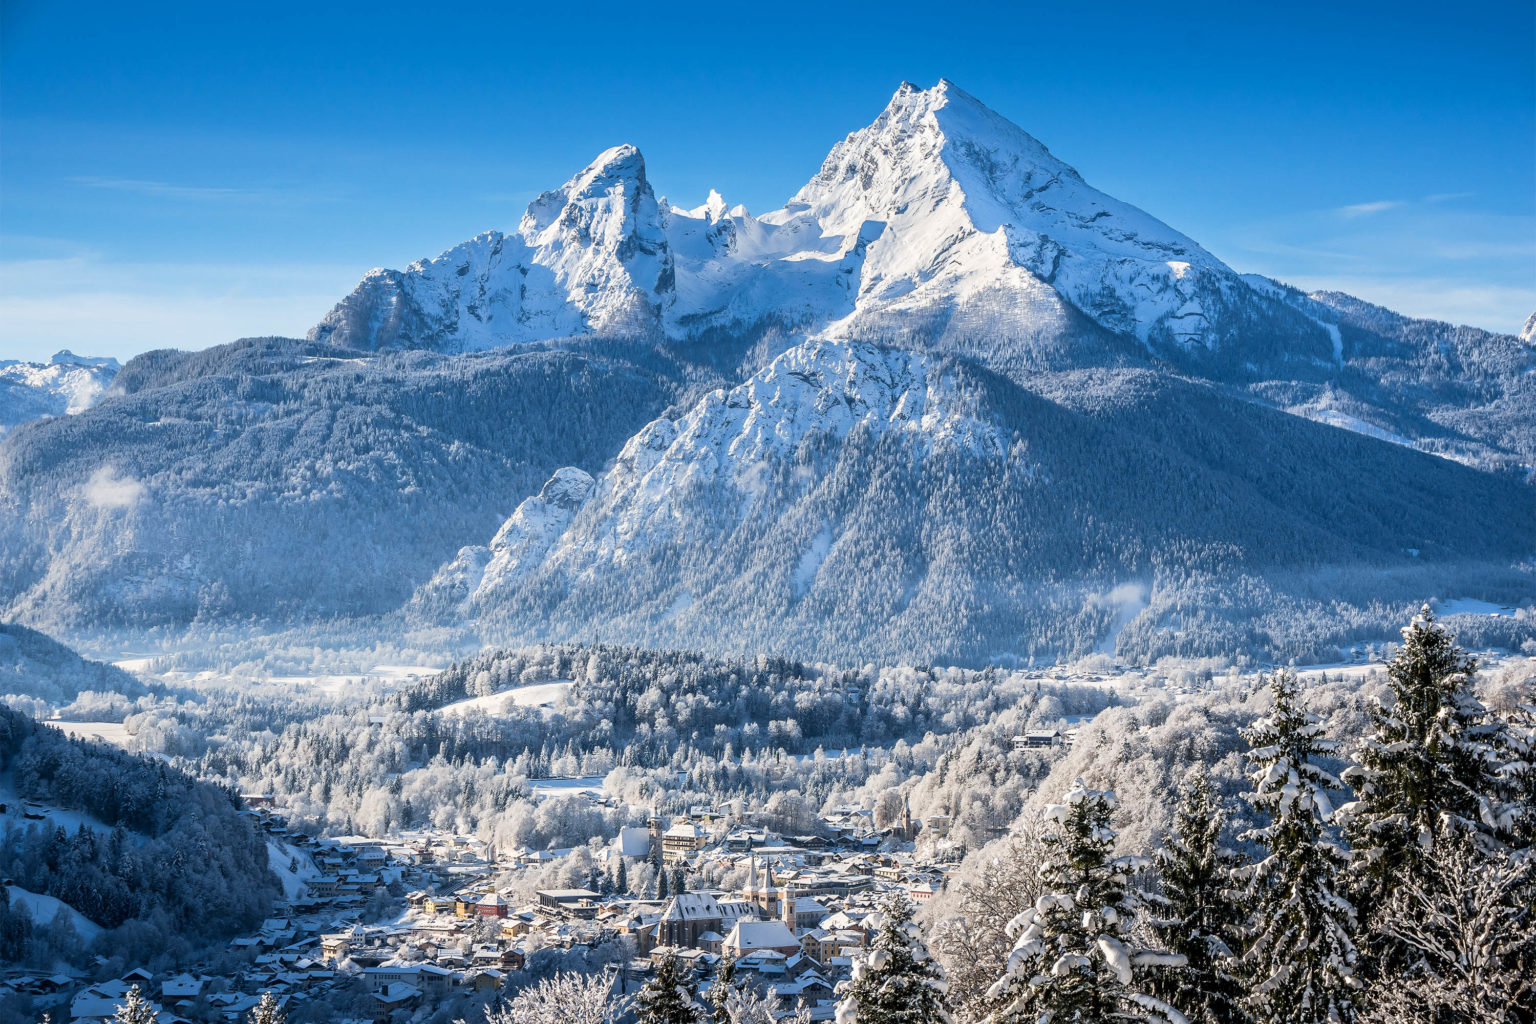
854,501
266,480
35,665
158,854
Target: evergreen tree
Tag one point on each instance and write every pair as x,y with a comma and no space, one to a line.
1429,763
621,877
1301,956
668,996
1073,959
662,888
267,1011
719,996
136,1009
679,880
896,981
1199,916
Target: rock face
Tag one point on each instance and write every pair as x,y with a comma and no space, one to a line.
588,258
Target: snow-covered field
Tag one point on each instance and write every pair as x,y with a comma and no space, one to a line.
566,787
16,810
531,696
282,857
45,908
1470,606
107,732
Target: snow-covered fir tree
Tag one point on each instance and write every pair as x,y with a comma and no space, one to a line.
1301,957
135,1009
896,981
668,996
267,1011
1199,915
1074,961
1517,770
1430,762
721,989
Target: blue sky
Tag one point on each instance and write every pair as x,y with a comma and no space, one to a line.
184,175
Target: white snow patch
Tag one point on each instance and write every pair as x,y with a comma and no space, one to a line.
810,562
531,696
45,908
1470,606
1129,601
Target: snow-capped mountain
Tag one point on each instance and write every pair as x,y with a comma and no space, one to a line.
940,206
64,385
938,405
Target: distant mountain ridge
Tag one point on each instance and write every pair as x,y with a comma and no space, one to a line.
65,384
943,226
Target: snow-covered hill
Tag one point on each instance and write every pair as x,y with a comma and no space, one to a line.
65,384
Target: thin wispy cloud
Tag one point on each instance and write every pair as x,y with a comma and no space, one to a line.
170,190
178,192
1368,209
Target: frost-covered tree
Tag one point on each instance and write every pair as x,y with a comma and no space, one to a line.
896,981
563,999
971,937
668,995
1301,958
1074,958
1465,921
1199,915
267,1011
1428,765
135,1009
761,1006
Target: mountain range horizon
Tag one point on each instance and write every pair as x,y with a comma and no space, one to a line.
653,404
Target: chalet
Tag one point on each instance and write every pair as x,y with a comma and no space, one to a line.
1038,740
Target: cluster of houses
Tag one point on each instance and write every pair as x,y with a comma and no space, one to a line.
448,918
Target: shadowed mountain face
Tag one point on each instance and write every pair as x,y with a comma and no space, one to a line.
937,406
